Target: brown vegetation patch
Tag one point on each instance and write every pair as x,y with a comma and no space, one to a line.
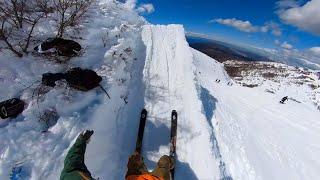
250,85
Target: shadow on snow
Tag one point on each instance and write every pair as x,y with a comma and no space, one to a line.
209,106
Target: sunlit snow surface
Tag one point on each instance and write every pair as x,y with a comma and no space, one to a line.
259,138
224,132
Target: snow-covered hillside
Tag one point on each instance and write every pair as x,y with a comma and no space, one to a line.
301,85
224,132
259,138
119,59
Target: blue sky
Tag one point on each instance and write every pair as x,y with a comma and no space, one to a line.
224,20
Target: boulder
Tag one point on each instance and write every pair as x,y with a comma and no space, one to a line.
11,108
63,47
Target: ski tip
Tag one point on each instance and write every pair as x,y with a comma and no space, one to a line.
144,113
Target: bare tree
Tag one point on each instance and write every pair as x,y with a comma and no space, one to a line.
70,13
18,20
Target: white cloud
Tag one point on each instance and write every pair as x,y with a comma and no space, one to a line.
130,4
274,28
294,57
285,4
286,45
246,26
264,29
315,51
276,42
146,8
142,8
305,17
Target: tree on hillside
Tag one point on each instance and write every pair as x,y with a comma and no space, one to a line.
69,13
18,19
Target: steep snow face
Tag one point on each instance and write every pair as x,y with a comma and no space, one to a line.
259,138
170,84
114,49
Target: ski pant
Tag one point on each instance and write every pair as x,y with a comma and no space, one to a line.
136,166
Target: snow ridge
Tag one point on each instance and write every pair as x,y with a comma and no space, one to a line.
170,84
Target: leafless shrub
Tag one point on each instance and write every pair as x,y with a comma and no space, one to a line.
313,86
269,75
69,13
48,119
18,19
104,38
233,71
250,85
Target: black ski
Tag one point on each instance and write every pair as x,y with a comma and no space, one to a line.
143,118
173,138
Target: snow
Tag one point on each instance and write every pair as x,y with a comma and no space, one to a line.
224,132
169,79
42,154
260,138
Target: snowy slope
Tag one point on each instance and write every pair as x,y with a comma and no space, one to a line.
119,61
224,132
260,138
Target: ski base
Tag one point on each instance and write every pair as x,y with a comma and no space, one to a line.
143,118
173,138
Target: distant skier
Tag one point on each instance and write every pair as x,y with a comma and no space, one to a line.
229,84
138,171
284,99
74,167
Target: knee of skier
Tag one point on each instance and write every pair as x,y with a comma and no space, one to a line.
135,161
165,162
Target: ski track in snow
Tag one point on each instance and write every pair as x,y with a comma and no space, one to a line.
170,84
209,106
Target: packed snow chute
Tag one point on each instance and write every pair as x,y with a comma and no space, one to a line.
11,108
166,165
77,78
63,47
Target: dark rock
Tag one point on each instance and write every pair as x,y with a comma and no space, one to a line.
63,47
11,108
83,79
49,79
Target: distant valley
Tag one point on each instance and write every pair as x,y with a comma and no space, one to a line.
222,51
